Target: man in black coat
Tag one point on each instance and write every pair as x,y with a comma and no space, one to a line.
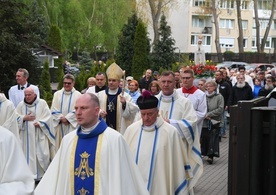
241,91
268,87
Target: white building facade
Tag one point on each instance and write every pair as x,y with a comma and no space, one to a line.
188,19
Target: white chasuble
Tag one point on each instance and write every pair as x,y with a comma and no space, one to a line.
159,153
180,112
15,176
112,171
8,115
37,142
64,105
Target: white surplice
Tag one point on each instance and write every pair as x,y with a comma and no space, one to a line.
8,115
15,176
37,142
180,112
124,117
198,98
118,173
159,152
64,105
16,95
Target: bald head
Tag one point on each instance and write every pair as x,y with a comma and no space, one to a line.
30,95
87,109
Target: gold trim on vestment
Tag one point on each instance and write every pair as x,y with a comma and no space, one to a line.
72,163
118,113
97,165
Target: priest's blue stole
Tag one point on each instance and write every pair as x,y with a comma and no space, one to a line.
85,158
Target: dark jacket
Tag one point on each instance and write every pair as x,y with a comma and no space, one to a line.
225,90
238,94
144,84
264,92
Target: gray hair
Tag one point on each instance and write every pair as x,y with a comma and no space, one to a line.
69,76
25,72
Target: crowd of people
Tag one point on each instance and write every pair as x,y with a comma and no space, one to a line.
144,136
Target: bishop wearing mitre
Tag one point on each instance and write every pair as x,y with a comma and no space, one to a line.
117,108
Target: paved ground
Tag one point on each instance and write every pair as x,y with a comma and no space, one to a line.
215,176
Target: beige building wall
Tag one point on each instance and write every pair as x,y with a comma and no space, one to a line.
187,21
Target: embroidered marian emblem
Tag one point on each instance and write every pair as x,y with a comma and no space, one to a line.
83,170
83,191
111,106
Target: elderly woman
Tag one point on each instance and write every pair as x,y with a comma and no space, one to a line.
133,90
91,81
154,88
212,122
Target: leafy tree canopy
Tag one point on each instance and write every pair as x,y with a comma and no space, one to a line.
21,30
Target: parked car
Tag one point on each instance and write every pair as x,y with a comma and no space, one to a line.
231,65
262,66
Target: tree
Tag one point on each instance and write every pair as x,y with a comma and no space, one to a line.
163,49
54,41
151,10
45,84
125,49
239,19
140,57
273,6
215,17
260,46
20,32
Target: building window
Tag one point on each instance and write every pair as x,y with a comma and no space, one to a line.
264,4
193,40
244,24
254,44
245,43
227,42
206,40
197,22
263,23
245,4
267,43
226,23
201,3
227,4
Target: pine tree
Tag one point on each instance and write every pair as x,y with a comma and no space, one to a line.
54,41
141,51
163,50
125,50
45,84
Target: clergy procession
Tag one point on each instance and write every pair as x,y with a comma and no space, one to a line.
121,135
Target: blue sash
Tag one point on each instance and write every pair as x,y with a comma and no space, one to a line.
85,155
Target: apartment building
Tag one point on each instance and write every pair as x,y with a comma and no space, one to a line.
190,18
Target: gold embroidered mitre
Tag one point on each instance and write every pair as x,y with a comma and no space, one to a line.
114,72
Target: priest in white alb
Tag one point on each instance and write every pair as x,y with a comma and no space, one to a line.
179,112
64,118
15,176
117,107
8,115
36,132
195,95
93,159
157,149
